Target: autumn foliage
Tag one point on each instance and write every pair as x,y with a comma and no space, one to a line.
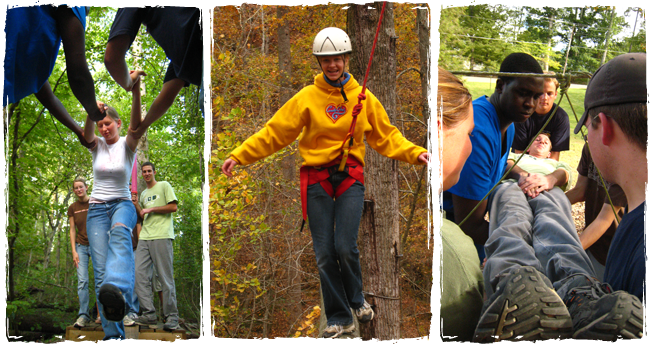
263,276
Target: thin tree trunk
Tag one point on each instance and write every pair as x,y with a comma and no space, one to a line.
607,35
426,85
14,203
288,166
379,245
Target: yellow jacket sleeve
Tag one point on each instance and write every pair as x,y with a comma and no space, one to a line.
282,129
385,138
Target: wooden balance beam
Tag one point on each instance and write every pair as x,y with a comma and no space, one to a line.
95,333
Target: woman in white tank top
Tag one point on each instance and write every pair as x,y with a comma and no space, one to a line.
111,214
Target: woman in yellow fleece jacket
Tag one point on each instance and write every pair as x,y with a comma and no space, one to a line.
332,198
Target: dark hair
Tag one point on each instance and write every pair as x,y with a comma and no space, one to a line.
519,63
454,98
148,163
632,118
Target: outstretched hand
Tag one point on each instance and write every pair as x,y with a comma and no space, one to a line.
227,166
424,157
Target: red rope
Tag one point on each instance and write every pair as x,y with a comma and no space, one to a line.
362,95
372,52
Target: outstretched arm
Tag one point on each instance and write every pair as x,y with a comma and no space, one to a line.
136,111
79,77
599,226
577,194
160,105
55,107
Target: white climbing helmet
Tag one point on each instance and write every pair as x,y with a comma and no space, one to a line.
332,41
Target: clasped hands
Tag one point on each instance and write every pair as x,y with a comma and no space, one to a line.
533,184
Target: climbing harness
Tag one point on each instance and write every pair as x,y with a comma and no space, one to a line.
310,175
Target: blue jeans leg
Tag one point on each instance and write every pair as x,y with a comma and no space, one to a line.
535,232
334,226
82,280
109,227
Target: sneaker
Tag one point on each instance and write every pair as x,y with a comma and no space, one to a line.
600,313
98,320
113,301
334,331
145,320
128,320
524,306
171,324
82,321
365,313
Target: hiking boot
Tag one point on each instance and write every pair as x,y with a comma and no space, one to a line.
365,313
129,320
600,313
145,320
113,301
334,331
524,306
171,324
82,321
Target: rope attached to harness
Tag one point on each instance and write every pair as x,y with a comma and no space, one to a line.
357,108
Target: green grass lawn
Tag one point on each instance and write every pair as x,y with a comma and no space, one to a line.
577,97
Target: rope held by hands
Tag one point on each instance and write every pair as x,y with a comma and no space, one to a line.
357,108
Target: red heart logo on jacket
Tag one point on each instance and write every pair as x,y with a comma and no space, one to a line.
334,112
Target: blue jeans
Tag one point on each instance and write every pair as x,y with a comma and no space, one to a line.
334,226
82,277
109,227
537,232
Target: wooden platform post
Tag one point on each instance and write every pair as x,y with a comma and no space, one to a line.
95,333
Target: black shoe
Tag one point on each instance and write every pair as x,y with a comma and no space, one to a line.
523,307
113,302
600,313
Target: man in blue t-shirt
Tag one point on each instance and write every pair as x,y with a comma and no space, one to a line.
616,118
513,100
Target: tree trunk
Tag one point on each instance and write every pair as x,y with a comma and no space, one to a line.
426,84
607,35
288,166
379,231
142,153
13,234
551,24
286,75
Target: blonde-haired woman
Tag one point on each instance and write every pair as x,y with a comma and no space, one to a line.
461,277
111,215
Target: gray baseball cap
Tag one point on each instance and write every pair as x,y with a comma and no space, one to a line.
621,80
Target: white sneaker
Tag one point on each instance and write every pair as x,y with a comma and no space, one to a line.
365,313
334,331
128,321
81,322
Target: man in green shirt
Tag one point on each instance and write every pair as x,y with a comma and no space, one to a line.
155,247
